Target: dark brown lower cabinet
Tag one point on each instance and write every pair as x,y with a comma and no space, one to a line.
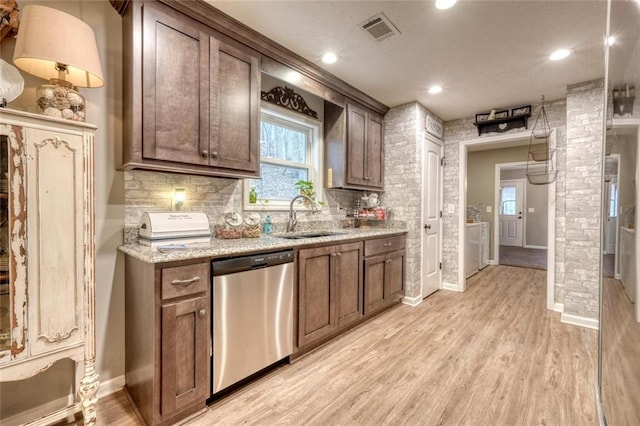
329,290
383,273
185,354
167,338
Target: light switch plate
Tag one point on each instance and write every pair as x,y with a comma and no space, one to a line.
488,209
531,210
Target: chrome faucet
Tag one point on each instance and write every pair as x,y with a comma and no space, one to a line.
291,225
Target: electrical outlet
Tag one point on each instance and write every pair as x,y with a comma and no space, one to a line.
531,210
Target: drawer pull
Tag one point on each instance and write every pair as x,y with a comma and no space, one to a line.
202,313
387,261
387,244
186,282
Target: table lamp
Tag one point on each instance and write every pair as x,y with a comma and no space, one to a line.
61,48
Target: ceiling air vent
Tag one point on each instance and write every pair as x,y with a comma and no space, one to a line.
379,27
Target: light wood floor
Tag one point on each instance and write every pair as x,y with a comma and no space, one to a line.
493,355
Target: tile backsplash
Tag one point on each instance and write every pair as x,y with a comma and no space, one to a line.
153,191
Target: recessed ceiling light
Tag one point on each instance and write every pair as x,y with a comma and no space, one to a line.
445,4
435,89
611,40
329,58
560,54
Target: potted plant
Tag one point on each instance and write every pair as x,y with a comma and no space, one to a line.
306,188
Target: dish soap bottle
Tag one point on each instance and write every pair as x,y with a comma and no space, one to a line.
267,228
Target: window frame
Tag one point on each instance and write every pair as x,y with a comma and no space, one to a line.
315,157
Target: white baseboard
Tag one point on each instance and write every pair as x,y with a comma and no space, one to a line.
558,307
535,247
111,386
493,263
44,414
412,301
450,287
580,321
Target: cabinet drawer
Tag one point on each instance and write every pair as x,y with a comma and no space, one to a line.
184,280
383,245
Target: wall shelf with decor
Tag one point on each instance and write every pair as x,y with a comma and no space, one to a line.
503,122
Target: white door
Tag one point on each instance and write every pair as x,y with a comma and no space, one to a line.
511,212
432,222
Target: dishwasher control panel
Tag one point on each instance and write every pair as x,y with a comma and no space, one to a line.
256,261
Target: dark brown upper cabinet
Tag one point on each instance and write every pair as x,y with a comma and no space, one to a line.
191,96
354,147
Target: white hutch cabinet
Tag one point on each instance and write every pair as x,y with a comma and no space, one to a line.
47,255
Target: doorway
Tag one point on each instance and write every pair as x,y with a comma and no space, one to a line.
516,139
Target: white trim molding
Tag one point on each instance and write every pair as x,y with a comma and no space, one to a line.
451,287
493,263
580,321
558,307
412,301
529,246
111,386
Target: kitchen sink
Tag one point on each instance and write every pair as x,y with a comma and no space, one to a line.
301,236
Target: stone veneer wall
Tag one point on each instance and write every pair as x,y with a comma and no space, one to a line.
403,144
583,199
461,130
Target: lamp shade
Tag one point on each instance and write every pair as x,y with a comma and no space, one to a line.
48,37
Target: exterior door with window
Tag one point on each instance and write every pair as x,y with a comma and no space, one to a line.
511,212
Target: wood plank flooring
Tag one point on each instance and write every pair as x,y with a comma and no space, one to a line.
493,355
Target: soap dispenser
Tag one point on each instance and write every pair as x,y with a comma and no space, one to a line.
267,228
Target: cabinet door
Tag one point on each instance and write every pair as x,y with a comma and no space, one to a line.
374,284
175,95
394,276
348,277
356,146
185,354
316,300
56,193
234,107
374,170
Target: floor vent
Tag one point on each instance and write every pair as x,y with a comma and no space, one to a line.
379,27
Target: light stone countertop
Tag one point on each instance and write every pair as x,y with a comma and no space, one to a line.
222,248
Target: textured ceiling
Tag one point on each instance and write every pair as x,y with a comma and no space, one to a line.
485,54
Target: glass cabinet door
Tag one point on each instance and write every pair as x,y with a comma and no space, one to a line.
5,297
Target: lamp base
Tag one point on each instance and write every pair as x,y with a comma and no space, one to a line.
59,99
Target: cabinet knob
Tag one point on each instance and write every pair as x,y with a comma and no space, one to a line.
338,254
204,153
333,255
214,154
387,244
202,313
427,226
387,261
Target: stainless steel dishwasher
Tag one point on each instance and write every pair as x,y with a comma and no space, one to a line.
252,315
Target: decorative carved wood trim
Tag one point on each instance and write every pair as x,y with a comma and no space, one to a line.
120,6
288,98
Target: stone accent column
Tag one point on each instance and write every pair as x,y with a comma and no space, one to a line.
403,141
583,202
